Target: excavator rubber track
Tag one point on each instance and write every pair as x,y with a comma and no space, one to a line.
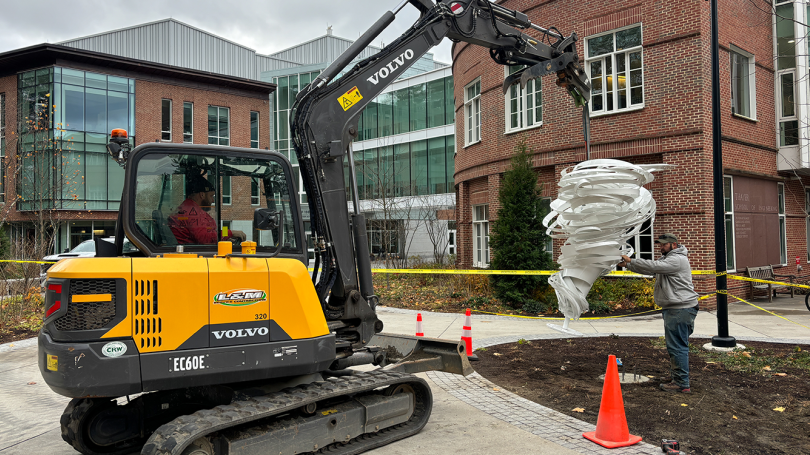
173,437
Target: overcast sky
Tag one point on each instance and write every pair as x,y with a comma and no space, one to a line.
266,26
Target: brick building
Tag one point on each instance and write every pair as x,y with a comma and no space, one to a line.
650,67
78,96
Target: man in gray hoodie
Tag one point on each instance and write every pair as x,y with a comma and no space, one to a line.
674,293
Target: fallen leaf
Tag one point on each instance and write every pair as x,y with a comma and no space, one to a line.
779,409
31,383
734,417
780,374
684,404
766,368
711,363
562,368
578,410
496,389
747,354
11,345
650,376
495,353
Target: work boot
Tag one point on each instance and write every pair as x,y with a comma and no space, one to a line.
673,387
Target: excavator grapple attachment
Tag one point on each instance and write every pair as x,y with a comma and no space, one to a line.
410,354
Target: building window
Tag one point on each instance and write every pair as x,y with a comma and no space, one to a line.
472,112
546,206
524,107
615,65
188,122
254,130
254,192
786,111
642,242
219,130
743,84
166,120
728,203
782,224
451,237
786,75
481,236
226,190
807,220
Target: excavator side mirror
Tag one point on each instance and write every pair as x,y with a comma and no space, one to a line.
266,219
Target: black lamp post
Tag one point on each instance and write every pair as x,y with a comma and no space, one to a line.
723,339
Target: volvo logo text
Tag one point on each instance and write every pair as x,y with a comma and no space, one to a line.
240,333
386,70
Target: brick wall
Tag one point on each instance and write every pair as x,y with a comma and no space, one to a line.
673,127
148,97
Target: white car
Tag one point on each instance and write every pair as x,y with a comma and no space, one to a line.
86,249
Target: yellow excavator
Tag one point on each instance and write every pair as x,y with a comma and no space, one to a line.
214,338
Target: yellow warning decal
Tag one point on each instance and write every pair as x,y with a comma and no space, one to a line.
53,362
331,411
349,98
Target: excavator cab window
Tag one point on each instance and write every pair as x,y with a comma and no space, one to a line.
197,200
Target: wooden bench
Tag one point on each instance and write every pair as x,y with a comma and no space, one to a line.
766,273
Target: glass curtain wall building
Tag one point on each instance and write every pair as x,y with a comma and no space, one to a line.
66,116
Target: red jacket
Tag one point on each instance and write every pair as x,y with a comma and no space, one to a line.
190,224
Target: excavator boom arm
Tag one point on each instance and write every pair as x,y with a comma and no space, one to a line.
324,121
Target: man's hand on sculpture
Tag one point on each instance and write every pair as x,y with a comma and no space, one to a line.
238,234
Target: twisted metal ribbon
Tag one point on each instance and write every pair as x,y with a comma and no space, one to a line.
600,205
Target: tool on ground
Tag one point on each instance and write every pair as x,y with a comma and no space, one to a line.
236,352
670,444
466,335
419,331
611,423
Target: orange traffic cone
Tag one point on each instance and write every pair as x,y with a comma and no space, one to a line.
419,331
466,335
611,424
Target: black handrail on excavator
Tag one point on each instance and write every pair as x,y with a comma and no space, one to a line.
324,118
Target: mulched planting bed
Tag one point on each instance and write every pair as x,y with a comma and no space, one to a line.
752,402
10,335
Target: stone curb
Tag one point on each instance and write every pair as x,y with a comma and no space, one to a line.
5,347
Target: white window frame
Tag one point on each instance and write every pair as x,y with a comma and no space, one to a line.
258,129
481,228
229,195
780,119
780,191
191,135
807,221
258,196
637,242
732,267
522,96
163,132
452,240
229,126
472,114
549,246
612,55
752,82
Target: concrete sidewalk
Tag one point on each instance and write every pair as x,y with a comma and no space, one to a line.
470,415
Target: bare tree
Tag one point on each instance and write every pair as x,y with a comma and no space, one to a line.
436,221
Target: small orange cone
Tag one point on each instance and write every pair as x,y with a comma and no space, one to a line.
419,331
466,335
611,425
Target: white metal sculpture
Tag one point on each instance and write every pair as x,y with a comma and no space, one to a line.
600,205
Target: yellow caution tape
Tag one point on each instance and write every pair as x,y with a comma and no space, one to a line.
769,312
590,318
28,262
756,280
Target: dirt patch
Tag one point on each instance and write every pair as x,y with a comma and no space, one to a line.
7,336
730,409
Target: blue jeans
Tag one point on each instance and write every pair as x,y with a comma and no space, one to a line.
678,325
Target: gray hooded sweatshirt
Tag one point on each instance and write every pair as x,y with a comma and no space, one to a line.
673,279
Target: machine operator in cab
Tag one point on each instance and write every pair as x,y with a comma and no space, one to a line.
191,223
